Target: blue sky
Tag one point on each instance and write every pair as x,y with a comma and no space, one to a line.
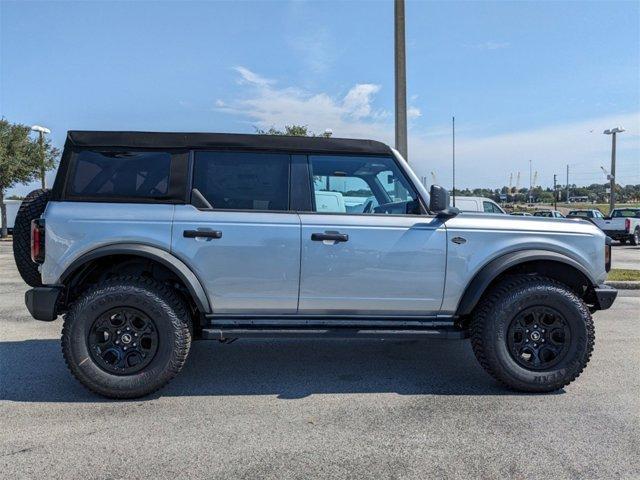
537,80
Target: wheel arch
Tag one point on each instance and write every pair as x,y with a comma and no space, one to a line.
148,252
548,263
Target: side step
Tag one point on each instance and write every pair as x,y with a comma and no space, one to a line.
223,334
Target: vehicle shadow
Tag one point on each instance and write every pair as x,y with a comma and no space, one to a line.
34,371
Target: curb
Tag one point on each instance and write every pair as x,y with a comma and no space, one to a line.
625,285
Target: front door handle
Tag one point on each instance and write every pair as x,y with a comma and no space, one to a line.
331,236
202,233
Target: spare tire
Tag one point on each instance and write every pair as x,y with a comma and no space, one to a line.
32,207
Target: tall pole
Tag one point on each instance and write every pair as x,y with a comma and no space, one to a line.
453,133
612,184
42,171
555,192
401,80
567,199
530,183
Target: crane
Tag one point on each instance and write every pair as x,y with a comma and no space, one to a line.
518,182
510,181
535,179
433,176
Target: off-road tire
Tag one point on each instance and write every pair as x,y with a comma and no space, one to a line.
32,207
159,302
634,239
494,314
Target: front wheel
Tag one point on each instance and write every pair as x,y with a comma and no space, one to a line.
126,337
532,334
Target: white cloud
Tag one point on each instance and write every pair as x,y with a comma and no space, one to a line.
247,76
482,159
490,45
357,102
413,112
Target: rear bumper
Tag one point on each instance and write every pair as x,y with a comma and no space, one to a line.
617,234
605,296
42,302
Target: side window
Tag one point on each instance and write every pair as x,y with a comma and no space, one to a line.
120,174
361,185
490,207
243,181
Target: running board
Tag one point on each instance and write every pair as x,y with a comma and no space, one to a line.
223,334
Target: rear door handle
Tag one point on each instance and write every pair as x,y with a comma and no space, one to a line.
202,233
334,236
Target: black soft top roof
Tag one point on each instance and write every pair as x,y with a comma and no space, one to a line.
170,140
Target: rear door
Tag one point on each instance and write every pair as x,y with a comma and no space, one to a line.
378,255
242,241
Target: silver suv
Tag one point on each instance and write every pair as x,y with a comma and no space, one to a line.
150,240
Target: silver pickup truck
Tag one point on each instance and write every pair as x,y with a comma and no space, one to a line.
150,240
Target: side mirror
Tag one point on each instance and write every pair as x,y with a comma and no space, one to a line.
439,202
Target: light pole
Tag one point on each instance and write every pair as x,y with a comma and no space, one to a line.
530,183
401,79
612,176
41,133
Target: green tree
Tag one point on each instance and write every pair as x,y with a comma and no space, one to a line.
291,130
21,160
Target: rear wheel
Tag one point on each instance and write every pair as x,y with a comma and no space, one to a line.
126,337
635,238
532,334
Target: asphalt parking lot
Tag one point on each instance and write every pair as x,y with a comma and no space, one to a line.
303,409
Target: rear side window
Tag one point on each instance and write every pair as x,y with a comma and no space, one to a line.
243,181
490,207
120,174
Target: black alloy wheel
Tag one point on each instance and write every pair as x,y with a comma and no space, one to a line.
538,338
123,340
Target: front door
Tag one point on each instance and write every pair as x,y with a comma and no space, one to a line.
366,248
241,240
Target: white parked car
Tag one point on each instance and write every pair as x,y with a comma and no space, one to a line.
477,204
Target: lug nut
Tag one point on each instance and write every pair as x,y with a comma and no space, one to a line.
125,348
527,331
135,334
118,332
117,342
535,326
540,340
135,344
535,345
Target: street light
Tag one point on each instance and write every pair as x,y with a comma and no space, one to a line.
612,176
42,131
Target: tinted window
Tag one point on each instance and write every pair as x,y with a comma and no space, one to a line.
361,185
578,213
243,181
121,174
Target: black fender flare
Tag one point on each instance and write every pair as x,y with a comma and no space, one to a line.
163,257
477,286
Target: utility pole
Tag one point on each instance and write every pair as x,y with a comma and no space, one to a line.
401,80
453,124
555,192
612,177
567,199
530,183
41,132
